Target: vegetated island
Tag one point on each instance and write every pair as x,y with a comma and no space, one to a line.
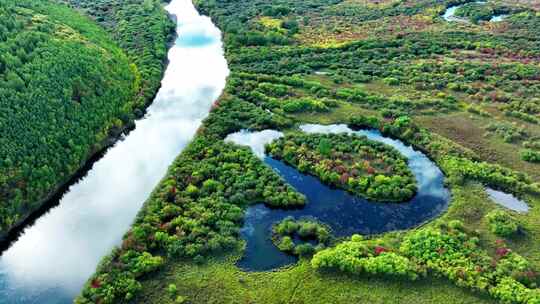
301,237
361,166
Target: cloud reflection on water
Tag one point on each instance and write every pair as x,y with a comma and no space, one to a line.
54,257
344,213
255,140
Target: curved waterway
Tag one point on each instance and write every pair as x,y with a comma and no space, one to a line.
52,259
346,214
450,14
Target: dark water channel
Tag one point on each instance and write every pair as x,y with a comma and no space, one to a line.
346,214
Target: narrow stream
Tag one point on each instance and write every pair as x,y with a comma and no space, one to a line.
450,14
346,214
52,259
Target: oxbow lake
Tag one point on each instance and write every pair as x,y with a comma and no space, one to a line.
346,214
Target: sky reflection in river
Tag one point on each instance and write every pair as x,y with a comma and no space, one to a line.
507,200
54,257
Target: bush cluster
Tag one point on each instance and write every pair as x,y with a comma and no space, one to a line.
454,253
502,223
447,250
509,132
531,156
294,236
358,256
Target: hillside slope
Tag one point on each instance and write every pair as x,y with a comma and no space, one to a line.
66,87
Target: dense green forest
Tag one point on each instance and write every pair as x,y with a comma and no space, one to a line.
66,86
465,94
142,29
361,166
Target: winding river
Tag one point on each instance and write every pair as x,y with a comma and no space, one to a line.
52,259
346,214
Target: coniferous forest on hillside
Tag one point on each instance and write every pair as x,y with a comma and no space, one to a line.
68,85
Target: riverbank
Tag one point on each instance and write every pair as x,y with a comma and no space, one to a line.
96,211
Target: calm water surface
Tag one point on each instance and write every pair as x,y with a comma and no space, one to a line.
346,214
51,260
450,14
507,200
499,18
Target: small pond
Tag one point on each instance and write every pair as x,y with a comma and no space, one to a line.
346,214
507,200
498,18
